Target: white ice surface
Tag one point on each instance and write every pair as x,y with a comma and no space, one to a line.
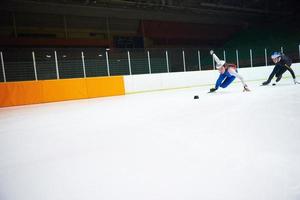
230,145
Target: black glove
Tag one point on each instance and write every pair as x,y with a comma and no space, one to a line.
246,89
212,89
265,83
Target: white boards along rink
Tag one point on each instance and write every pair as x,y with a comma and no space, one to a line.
174,80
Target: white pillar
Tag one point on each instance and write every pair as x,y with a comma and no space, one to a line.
214,66
266,57
34,66
107,63
83,64
183,60
224,55
56,65
167,59
129,62
149,62
3,68
199,59
299,50
251,61
281,49
237,58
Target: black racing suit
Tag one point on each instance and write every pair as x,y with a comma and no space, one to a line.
281,67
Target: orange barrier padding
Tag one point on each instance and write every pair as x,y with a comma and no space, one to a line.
64,89
4,95
105,86
20,93
32,92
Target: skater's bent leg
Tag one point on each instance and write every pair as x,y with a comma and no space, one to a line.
220,80
278,75
227,81
291,71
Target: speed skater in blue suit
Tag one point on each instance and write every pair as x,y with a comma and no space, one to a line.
228,73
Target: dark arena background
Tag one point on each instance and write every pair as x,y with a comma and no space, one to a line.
120,100
70,27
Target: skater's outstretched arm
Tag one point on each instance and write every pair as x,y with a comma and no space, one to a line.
233,72
275,70
237,75
217,60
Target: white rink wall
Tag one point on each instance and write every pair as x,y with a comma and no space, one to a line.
163,81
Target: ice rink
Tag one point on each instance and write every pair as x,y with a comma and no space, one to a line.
230,145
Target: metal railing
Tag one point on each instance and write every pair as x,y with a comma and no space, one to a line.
22,64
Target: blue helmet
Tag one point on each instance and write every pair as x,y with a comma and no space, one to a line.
275,55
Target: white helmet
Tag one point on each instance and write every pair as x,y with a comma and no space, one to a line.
276,56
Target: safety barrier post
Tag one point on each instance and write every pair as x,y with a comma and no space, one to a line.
299,51
34,66
129,62
214,66
3,68
199,60
107,63
167,59
149,62
251,61
266,57
56,65
83,64
183,60
237,58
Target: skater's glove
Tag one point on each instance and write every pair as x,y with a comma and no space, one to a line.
211,52
246,89
265,83
212,89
